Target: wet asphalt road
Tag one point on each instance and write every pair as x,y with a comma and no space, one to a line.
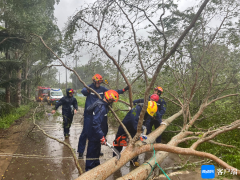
45,158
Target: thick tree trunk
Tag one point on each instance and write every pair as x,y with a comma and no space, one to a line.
29,89
19,87
19,82
8,93
25,82
7,96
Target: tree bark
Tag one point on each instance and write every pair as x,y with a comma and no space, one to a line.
19,87
29,90
25,81
19,77
8,93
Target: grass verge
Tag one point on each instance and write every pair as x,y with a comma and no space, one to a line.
7,120
81,101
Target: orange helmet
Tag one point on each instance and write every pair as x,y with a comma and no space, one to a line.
112,95
152,108
158,88
97,78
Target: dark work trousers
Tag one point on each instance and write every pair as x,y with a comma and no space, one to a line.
83,136
67,121
93,151
156,125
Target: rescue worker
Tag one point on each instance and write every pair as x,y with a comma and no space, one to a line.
131,121
69,108
91,98
161,108
98,127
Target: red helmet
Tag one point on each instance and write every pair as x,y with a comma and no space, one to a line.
158,89
112,95
97,78
154,97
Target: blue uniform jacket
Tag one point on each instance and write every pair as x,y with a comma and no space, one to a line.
131,121
161,105
66,103
92,97
98,125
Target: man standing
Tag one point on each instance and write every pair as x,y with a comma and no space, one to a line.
98,127
69,107
91,98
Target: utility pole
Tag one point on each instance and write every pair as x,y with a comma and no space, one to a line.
59,81
119,53
66,71
76,75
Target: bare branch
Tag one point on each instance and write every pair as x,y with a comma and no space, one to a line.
45,67
221,144
175,98
188,138
229,95
158,30
124,102
135,40
62,142
165,39
220,130
14,38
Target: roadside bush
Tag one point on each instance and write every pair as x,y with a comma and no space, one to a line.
7,120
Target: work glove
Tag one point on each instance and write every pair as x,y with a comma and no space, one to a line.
140,104
125,89
103,141
143,128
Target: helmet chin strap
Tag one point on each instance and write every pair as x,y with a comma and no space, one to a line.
109,103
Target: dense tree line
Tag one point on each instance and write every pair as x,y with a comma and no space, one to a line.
23,57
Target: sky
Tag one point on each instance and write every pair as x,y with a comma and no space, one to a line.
68,8
64,10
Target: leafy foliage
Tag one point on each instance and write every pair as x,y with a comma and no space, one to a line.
7,120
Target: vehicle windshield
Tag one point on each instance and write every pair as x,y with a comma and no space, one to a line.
45,91
57,93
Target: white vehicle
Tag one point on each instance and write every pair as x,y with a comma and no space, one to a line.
54,95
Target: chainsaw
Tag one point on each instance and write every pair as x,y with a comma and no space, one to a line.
114,150
123,139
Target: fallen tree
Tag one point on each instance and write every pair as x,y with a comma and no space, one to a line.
191,75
